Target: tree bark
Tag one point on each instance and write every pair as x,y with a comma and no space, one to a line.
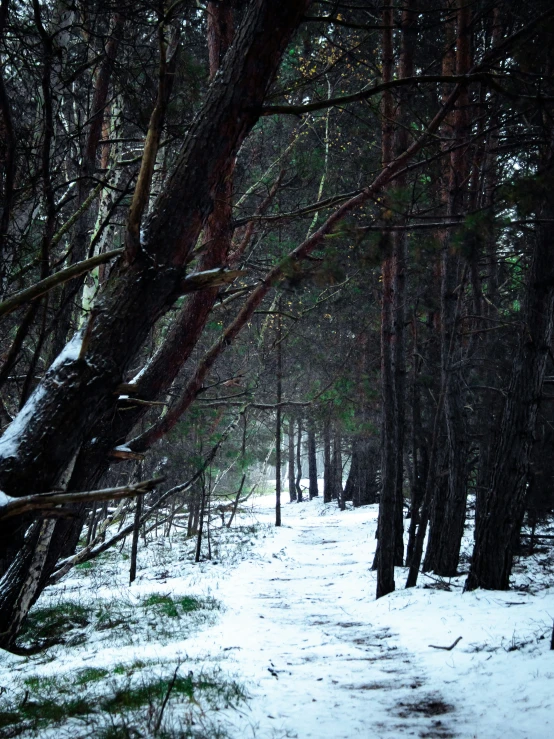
498,528
388,501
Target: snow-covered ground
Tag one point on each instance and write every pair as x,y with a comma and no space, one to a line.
300,629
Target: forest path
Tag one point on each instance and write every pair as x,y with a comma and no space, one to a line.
299,631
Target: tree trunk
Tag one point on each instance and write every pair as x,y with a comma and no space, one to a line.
498,528
278,423
388,502
135,540
452,528
202,511
312,460
292,482
337,470
420,454
328,482
362,486
85,181
299,462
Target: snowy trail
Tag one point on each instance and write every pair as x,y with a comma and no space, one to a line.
298,630
322,658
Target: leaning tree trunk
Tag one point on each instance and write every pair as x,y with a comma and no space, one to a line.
112,428
81,386
498,528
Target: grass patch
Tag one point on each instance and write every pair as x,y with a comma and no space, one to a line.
53,711
119,702
214,690
90,675
129,669
53,622
173,607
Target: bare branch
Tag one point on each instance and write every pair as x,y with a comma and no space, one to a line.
47,501
49,283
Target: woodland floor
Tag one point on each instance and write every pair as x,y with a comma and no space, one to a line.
280,636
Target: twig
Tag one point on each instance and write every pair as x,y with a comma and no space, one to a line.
447,649
166,698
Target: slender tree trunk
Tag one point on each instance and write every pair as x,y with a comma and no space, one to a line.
278,423
420,456
85,182
337,470
451,349
202,507
292,485
135,540
312,460
327,466
299,462
388,502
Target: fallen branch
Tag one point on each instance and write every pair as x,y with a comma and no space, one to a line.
447,649
46,501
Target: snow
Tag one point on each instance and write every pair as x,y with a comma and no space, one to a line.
214,271
5,499
319,656
11,438
140,373
69,353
